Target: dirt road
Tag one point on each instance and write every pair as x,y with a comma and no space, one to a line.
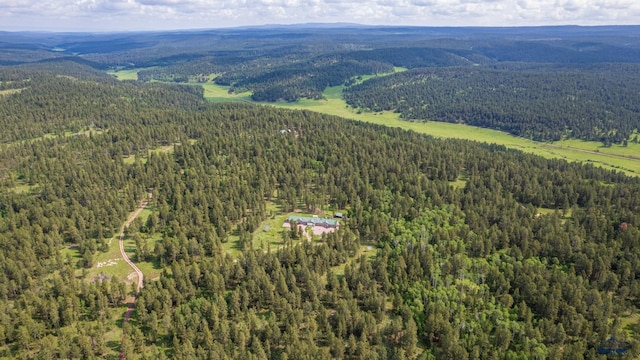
132,299
123,253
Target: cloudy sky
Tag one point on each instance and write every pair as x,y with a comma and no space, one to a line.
122,15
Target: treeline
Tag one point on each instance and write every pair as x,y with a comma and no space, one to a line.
199,70
307,79
48,103
423,56
426,269
595,102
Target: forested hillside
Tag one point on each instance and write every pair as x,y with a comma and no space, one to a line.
594,102
450,249
542,83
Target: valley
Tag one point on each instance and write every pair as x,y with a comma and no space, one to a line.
171,167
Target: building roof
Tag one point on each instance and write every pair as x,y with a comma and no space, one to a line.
312,220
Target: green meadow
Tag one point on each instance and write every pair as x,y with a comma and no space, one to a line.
10,91
129,74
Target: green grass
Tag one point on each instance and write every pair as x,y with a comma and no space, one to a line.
10,91
129,74
362,78
163,149
461,181
72,254
131,159
111,262
262,239
269,239
90,131
370,251
632,150
144,214
549,211
218,93
630,323
150,269
24,188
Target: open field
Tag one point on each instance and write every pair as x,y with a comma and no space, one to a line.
110,263
630,324
150,269
131,159
461,181
129,74
218,93
23,188
370,251
268,236
632,150
362,78
10,91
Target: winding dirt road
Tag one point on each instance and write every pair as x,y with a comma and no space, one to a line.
132,299
124,254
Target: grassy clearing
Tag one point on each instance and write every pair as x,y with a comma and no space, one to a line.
370,252
128,74
150,269
362,78
144,214
632,149
168,149
461,181
630,324
72,255
131,159
23,188
10,91
110,262
91,130
217,93
163,149
547,211
268,236
613,158
565,215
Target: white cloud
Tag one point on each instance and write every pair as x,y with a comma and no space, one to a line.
166,14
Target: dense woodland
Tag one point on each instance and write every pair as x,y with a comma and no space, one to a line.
291,82
462,265
542,83
590,102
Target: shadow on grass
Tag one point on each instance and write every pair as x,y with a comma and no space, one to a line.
157,265
114,346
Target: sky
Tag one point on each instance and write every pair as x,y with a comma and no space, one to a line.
127,15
